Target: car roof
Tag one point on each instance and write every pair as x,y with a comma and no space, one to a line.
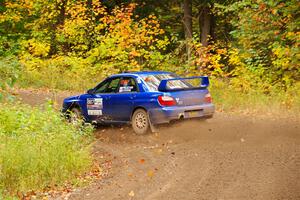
141,73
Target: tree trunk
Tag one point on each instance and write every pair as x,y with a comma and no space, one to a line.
205,20
213,28
89,3
187,24
187,18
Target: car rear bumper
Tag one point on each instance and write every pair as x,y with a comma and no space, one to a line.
166,114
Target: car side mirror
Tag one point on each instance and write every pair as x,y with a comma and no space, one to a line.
90,91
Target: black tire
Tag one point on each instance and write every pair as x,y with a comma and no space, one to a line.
140,122
75,115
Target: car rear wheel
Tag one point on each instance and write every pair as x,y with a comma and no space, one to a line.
140,122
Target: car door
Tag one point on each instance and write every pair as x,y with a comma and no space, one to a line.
123,100
98,106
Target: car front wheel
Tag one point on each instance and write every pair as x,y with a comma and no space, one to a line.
75,115
140,122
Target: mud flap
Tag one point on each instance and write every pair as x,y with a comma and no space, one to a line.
152,127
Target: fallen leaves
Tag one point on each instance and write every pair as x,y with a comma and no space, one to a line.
64,191
131,193
150,173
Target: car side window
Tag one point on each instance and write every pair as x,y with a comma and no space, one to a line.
102,87
113,85
128,84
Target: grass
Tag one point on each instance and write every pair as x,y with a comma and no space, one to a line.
55,81
38,149
229,98
54,78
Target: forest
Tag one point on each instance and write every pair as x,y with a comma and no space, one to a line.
248,48
252,44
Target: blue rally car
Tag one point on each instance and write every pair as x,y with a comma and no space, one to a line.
143,99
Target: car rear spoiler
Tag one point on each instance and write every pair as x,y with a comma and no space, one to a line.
163,86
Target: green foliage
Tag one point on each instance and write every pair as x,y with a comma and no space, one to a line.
63,72
73,38
89,40
74,44
9,73
39,149
267,35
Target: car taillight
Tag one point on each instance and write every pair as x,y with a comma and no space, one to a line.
166,101
207,98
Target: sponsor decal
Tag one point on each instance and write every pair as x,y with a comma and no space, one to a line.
126,89
94,106
94,112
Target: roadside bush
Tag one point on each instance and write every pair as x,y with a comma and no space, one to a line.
38,149
267,35
237,86
238,95
9,73
62,72
88,48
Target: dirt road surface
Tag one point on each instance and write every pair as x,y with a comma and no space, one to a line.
227,157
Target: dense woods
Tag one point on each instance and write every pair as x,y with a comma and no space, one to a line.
249,48
94,38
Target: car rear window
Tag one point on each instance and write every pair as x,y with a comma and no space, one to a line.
154,80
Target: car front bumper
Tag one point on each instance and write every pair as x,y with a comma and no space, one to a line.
166,114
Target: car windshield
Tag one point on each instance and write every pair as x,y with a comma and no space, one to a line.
154,80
